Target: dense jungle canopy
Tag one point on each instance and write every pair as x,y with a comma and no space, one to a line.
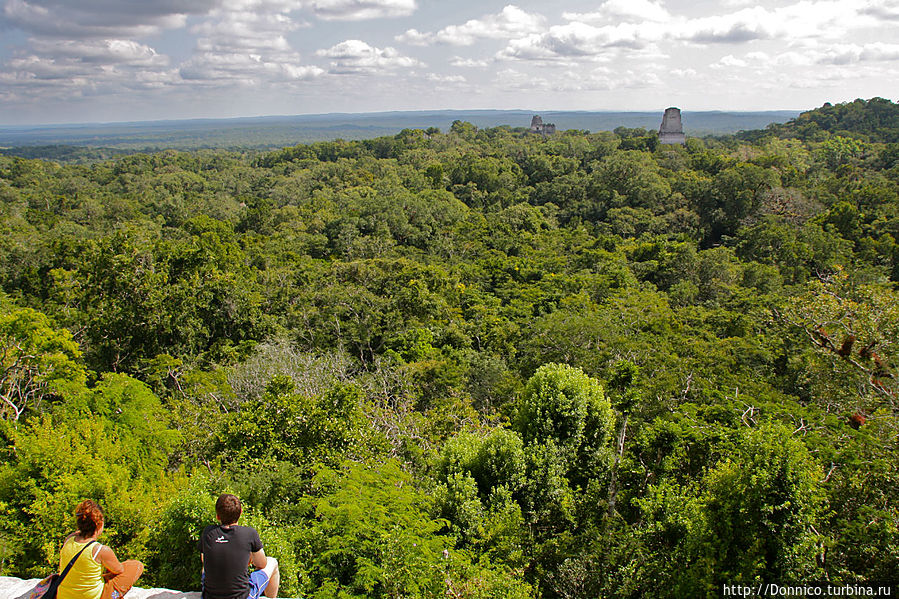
472,363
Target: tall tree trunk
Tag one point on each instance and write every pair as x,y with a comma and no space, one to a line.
613,484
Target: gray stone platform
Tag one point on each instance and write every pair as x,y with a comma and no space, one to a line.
14,588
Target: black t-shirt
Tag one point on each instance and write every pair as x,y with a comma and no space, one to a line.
226,552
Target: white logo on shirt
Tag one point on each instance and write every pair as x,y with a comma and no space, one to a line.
221,539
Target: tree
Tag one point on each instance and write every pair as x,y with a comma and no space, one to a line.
736,193
463,129
850,330
116,456
373,536
563,405
565,422
751,518
287,426
629,179
172,556
837,151
758,513
37,361
480,479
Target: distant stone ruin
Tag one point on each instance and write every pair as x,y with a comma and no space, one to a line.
537,126
672,130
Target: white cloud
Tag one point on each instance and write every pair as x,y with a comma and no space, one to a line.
238,41
842,54
152,79
89,52
245,30
445,78
878,51
32,68
262,6
730,61
245,42
56,69
570,81
684,73
581,41
881,9
87,46
822,78
358,10
803,20
734,48
606,79
46,78
246,69
738,3
509,23
623,10
641,24
458,61
357,57
741,26
100,18
415,37
622,29
829,55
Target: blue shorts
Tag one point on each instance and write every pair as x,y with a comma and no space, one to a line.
258,582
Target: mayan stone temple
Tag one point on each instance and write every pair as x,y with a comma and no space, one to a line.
672,130
538,126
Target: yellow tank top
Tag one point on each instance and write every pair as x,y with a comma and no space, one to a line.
85,579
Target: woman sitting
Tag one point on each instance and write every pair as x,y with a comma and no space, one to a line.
97,573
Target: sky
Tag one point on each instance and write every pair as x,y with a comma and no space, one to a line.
73,61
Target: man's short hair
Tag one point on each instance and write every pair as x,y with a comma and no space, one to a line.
228,508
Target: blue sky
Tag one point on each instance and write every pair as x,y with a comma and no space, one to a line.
66,61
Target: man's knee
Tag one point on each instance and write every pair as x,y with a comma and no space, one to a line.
271,566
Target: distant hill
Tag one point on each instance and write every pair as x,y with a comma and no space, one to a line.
280,131
65,153
875,120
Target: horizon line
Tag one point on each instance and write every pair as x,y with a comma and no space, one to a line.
379,112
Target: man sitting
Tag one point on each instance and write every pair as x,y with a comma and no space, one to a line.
226,549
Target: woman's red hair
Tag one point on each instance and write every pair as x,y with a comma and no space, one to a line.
89,517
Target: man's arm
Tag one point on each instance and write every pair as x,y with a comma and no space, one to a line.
258,559
200,548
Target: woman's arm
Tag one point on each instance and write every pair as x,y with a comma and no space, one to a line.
109,561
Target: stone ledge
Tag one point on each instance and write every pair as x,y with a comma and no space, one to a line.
14,588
